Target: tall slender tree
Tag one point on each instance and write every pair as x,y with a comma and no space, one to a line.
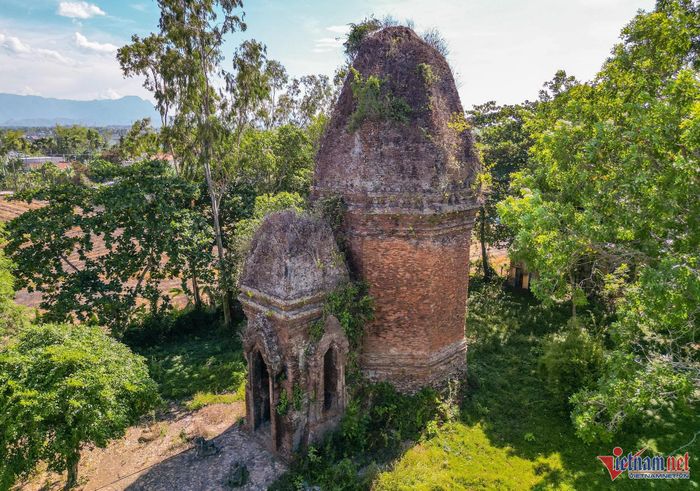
183,59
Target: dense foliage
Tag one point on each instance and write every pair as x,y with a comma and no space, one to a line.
608,212
12,317
513,433
376,423
374,102
63,387
96,251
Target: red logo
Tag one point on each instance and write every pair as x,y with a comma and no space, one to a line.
611,462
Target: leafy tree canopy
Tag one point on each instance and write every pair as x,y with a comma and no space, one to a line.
504,144
93,250
609,209
63,387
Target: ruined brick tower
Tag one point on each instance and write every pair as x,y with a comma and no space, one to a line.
296,380
404,162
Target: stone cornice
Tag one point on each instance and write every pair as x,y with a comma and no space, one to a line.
435,225
308,306
389,361
420,203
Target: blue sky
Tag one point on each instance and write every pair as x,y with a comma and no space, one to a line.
500,49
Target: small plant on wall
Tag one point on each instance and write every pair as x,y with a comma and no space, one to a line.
374,101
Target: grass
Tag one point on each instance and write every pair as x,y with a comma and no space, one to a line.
513,434
202,399
204,367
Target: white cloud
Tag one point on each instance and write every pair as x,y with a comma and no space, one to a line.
342,29
51,54
79,10
83,42
27,90
16,46
56,67
109,94
326,44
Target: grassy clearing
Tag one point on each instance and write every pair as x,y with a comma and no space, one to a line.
205,367
513,434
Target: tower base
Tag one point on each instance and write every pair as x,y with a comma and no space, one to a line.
411,373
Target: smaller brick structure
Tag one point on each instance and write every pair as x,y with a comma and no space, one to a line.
519,276
296,379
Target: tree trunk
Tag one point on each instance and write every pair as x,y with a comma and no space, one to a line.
195,289
72,478
217,232
206,157
482,237
573,296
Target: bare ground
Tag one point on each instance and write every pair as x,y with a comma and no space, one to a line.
162,455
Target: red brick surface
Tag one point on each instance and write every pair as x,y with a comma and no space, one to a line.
417,268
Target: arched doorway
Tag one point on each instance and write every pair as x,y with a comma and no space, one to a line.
330,379
260,384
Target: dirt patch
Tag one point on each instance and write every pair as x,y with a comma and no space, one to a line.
164,455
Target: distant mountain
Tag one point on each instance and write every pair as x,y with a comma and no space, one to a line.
30,110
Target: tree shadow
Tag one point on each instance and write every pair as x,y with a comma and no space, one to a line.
512,404
207,465
207,362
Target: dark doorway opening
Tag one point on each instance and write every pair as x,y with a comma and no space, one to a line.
261,391
330,379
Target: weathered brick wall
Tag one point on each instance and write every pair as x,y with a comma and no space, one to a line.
417,268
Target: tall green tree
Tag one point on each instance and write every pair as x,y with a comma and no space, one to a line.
12,144
77,142
609,211
62,388
12,317
180,64
504,144
140,142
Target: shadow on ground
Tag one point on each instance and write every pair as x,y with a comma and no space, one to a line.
207,467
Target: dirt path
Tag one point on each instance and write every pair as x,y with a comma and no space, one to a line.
163,456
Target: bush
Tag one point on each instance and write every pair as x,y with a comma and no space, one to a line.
572,360
202,399
154,328
375,102
63,387
376,424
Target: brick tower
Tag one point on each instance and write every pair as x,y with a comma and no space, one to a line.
296,382
406,171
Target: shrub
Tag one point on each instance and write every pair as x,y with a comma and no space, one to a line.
358,32
377,422
202,399
353,307
572,360
154,328
374,101
63,387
